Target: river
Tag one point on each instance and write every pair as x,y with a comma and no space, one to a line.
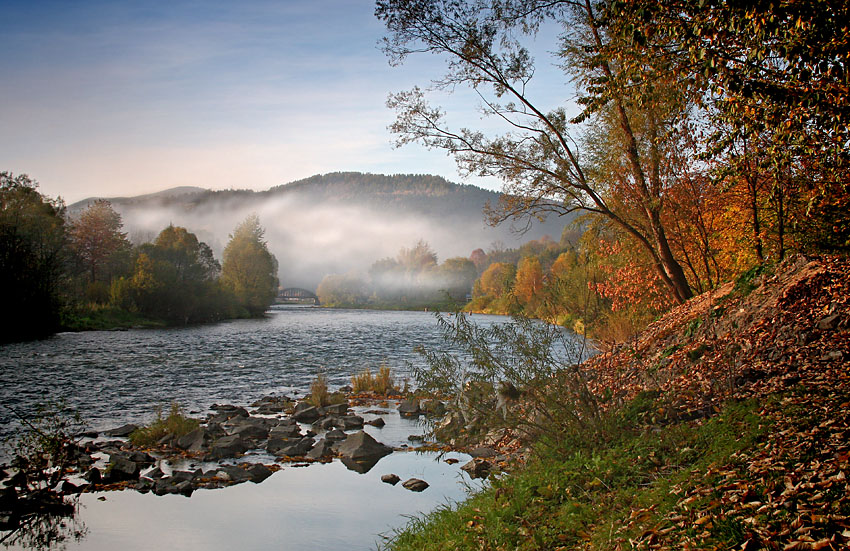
113,377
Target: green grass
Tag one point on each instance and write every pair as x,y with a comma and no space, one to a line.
563,500
176,423
99,318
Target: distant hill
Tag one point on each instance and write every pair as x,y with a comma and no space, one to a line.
332,223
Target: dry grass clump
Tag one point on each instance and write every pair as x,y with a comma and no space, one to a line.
176,423
319,394
381,383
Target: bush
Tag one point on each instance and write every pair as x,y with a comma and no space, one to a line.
382,383
319,395
176,423
524,375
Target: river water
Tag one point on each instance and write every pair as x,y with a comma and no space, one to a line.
113,377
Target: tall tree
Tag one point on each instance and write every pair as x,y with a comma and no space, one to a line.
98,241
537,158
249,270
32,245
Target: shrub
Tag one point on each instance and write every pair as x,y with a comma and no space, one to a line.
176,423
524,375
381,383
319,395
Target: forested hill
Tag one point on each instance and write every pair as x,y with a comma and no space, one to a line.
333,223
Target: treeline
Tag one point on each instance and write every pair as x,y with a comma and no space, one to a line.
79,273
710,137
413,279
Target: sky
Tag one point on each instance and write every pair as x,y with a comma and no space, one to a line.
119,98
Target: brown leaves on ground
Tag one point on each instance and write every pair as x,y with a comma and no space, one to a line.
786,344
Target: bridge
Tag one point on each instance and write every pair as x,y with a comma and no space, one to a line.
297,295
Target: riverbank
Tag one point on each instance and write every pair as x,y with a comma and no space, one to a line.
724,425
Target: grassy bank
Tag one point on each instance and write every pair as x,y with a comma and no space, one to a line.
726,427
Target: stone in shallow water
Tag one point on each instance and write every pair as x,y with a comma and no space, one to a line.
415,485
123,430
361,446
391,479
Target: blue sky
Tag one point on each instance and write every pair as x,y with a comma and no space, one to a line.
115,98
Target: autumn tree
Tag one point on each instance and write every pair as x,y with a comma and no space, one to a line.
529,282
543,170
99,245
32,258
249,270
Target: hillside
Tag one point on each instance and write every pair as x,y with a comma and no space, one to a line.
333,223
727,426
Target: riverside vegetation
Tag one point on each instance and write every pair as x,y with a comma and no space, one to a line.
723,425
83,273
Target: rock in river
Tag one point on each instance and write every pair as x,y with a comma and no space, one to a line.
361,446
415,485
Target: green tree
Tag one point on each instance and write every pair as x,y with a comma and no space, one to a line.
249,270
32,259
174,279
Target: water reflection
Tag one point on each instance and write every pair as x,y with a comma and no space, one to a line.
49,526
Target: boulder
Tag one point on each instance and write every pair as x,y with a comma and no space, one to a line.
361,446
379,422
227,446
323,448
122,431
234,474
350,422
285,431
415,485
335,435
391,479
409,408
305,413
153,474
291,447
145,485
483,451
120,468
140,457
337,409
477,468
194,441
258,472
93,475
250,430
226,412
326,424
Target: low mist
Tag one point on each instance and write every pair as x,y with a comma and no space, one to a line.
312,240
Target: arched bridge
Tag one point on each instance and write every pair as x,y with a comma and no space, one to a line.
296,294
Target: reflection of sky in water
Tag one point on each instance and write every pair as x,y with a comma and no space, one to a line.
321,507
